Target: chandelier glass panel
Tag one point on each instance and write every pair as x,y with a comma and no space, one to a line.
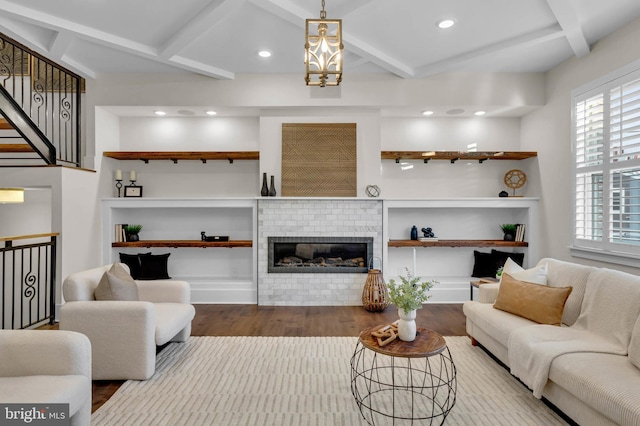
323,51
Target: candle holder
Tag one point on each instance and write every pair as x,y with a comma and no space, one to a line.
119,186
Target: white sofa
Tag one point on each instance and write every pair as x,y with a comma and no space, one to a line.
590,367
124,334
47,367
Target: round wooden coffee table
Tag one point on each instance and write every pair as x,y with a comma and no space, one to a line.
408,382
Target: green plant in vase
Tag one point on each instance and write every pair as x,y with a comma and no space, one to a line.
509,230
408,296
132,232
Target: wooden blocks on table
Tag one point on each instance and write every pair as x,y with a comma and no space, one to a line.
386,334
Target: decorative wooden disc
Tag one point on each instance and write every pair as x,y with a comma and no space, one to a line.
515,179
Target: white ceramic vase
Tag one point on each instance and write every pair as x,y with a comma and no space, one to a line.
407,325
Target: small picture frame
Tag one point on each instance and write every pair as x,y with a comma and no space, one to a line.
132,191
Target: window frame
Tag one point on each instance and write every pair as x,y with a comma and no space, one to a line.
604,250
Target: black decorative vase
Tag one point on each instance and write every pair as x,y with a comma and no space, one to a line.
265,189
414,233
272,189
133,238
509,236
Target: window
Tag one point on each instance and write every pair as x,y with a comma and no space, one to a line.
606,137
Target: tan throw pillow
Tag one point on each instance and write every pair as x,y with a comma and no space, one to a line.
535,302
116,284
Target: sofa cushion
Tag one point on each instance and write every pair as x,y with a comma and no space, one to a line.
634,345
72,389
170,319
485,264
537,275
497,323
608,383
536,302
154,266
502,256
133,262
611,306
565,274
116,284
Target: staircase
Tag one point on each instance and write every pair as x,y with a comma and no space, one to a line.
40,109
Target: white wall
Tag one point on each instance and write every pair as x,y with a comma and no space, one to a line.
548,131
32,216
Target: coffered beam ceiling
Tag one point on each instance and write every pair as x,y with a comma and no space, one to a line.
55,36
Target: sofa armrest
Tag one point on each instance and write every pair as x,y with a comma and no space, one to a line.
104,318
164,291
44,352
488,293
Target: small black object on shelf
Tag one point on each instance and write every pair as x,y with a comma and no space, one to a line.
265,188
204,237
503,194
414,233
428,233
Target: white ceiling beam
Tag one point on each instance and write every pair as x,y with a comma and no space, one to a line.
206,19
59,45
568,20
99,37
14,31
291,12
526,40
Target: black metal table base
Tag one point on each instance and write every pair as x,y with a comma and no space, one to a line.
401,390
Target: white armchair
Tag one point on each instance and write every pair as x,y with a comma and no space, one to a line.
47,367
124,334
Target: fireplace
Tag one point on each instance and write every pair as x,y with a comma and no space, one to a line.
319,254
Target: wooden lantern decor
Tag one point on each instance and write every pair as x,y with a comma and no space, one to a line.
375,296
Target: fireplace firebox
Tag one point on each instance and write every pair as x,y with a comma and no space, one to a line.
319,254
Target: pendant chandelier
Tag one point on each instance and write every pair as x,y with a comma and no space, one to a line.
323,51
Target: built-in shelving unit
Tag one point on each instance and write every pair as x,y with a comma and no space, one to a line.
454,156
174,226
462,226
184,243
175,156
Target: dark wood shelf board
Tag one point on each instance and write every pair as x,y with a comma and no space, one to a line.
457,243
457,155
184,243
174,156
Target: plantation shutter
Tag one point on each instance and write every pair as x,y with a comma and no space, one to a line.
589,148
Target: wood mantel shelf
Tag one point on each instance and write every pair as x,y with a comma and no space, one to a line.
454,156
183,155
184,243
457,243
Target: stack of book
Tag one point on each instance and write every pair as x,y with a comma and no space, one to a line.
519,232
120,233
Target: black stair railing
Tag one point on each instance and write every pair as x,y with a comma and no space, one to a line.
27,280
44,94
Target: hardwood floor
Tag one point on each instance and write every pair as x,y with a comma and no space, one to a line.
252,320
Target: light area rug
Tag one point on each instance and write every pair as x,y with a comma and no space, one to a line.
290,381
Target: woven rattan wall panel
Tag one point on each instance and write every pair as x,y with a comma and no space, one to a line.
319,160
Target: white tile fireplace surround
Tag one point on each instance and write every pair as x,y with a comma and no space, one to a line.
315,217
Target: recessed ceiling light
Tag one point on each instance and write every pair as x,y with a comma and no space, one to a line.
264,53
445,23
210,112
160,113
480,113
427,113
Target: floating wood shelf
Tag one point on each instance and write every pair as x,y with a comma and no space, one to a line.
457,243
184,243
183,155
454,156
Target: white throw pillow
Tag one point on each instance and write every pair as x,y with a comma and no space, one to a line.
537,275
